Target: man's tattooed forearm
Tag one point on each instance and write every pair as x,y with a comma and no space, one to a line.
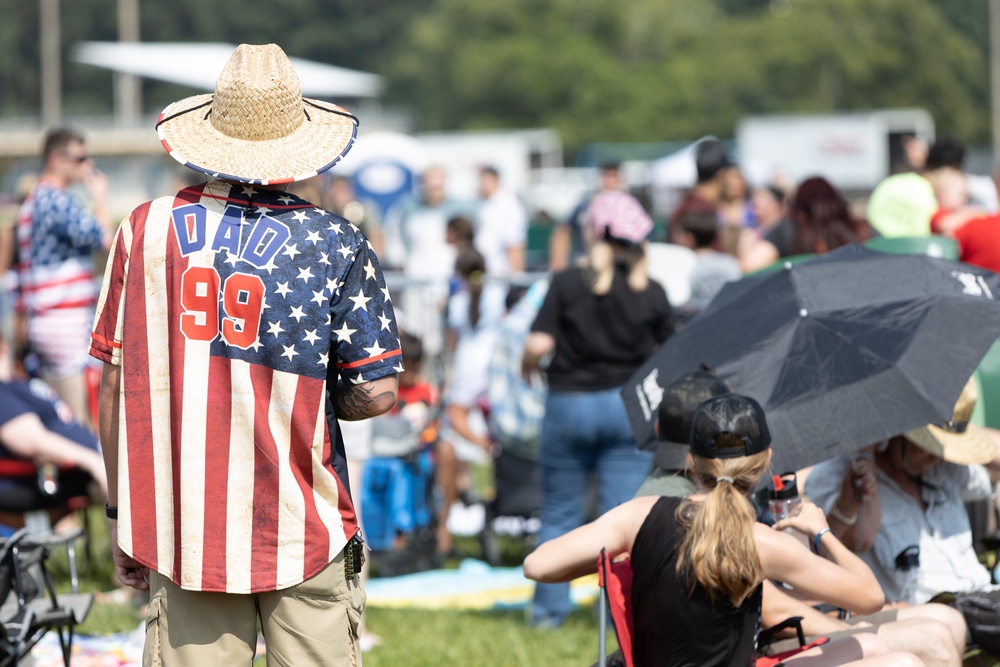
360,401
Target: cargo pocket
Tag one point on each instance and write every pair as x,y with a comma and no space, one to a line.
354,634
152,656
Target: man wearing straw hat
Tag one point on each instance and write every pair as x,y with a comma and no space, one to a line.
238,324
902,508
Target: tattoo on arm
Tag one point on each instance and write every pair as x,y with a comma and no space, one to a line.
361,401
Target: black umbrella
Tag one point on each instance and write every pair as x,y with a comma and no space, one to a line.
842,351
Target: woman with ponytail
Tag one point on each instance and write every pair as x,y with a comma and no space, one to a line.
699,563
599,322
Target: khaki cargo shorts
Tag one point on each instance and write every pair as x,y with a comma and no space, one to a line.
314,623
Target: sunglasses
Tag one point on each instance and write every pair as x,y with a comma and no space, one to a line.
79,159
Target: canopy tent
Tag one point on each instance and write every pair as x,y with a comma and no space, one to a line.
198,66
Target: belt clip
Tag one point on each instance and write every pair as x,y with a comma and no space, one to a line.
354,557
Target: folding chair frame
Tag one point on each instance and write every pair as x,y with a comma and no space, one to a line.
26,620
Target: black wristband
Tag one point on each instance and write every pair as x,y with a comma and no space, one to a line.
111,512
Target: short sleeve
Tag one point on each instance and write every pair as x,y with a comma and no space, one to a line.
823,484
458,310
547,320
106,338
516,230
364,337
664,325
11,405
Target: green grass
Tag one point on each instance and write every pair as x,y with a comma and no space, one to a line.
411,637
433,638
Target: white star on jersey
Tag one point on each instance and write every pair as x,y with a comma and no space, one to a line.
305,274
297,313
360,301
311,337
385,321
369,271
283,289
270,266
275,328
289,351
291,251
313,237
343,333
345,251
374,350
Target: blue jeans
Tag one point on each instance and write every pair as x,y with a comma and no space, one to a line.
583,433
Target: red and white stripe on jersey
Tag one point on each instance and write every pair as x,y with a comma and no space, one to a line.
60,337
68,283
221,462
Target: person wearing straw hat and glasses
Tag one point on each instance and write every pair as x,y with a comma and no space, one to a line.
902,508
238,324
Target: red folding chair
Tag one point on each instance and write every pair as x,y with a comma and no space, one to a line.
615,581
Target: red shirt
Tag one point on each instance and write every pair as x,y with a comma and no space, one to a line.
978,241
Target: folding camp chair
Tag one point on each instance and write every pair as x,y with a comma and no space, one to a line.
30,605
615,581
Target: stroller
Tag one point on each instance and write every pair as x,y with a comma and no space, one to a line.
515,413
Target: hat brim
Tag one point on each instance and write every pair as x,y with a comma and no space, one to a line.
314,146
971,447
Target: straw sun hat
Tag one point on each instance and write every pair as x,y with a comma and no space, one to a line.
957,441
257,127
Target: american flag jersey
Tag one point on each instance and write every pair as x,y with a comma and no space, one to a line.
231,309
56,237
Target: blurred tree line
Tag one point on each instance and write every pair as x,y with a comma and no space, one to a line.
595,70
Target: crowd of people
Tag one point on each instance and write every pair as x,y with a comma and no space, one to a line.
249,359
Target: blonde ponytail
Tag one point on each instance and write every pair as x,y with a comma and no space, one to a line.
718,550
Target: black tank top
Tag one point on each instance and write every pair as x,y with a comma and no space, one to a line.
671,628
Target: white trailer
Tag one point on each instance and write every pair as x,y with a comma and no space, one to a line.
854,151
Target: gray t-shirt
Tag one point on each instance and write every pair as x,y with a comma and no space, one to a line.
710,273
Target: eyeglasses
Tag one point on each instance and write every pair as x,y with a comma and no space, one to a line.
79,159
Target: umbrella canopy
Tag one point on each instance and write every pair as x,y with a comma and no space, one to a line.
841,351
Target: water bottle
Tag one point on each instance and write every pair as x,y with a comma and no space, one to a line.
784,497
908,566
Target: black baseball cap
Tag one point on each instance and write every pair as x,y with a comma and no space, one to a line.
739,416
680,399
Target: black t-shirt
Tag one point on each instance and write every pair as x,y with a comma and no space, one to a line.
782,237
673,629
18,398
601,339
